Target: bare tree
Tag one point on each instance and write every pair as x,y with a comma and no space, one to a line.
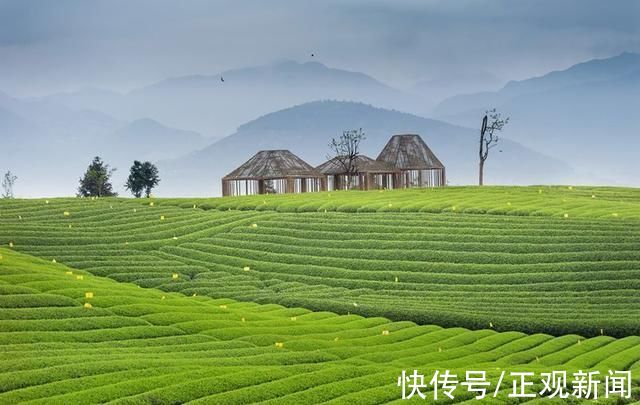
7,184
492,123
346,150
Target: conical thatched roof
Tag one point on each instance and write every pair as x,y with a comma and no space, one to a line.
364,164
272,164
409,152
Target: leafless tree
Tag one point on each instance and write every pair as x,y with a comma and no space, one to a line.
346,150
7,184
492,123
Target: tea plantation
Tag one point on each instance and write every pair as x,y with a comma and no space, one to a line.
494,278
71,337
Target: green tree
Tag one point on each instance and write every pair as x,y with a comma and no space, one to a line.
96,180
143,177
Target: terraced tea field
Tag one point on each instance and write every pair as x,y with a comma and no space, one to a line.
495,279
71,337
532,269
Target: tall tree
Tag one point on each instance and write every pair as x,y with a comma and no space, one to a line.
143,177
7,184
96,180
492,123
346,150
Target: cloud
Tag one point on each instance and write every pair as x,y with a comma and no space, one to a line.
65,44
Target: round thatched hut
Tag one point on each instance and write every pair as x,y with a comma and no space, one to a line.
368,174
272,172
418,165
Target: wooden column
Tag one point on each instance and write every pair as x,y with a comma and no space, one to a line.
290,188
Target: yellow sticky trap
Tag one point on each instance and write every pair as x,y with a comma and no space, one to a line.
174,276
615,214
111,206
601,332
246,268
10,244
163,297
539,191
194,294
336,339
46,201
151,204
135,210
491,324
566,215
69,226
396,279
243,319
579,342
453,208
87,305
161,217
66,213
439,349
390,205
223,306
254,225
80,277
355,304
0,257
195,206
68,273
88,294
385,333
175,238
593,196
53,261
509,203
325,211
126,243
294,318
279,345
93,198
19,216
570,187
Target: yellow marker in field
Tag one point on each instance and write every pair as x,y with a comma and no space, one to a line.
19,216
254,225
539,191
396,279
88,294
0,257
194,294
174,276
385,333
336,339
615,214
509,204
223,306
163,297
80,277
593,196
294,318
439,349
46,201
68,273
69,226
279,345
53,261
601,332
135,210
491,324
161,217
390,205
246,268
66,213
566,215
195,206
355,304
10,244
151,204
242,319
570,187
87,305
175,238
453,208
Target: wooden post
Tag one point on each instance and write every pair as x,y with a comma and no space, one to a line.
290,188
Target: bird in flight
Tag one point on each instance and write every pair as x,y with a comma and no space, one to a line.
312,55
222,79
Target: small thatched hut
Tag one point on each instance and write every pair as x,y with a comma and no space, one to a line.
271,172
418,165
369,174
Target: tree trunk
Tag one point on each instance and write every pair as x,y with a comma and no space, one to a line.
481,173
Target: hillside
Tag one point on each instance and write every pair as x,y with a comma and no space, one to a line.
307,129
419,255
71,337
585,115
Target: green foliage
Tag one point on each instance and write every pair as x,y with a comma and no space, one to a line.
96,180
143,177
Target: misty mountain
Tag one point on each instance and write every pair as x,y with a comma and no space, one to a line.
307,129
208,105
586,115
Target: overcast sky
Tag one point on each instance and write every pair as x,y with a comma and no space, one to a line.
48,46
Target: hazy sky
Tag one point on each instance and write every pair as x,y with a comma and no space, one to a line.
48,46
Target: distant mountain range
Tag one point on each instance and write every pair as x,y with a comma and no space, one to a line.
583,118
213,107
587,115
307,129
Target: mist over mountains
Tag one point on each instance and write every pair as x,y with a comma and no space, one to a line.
579,125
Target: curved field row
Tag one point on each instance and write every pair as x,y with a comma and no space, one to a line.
70,337
526,273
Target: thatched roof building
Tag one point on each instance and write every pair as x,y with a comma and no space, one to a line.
270,172
418,165
369,174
